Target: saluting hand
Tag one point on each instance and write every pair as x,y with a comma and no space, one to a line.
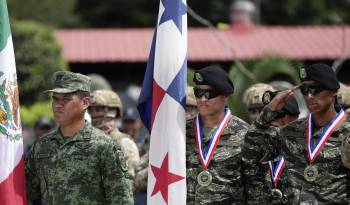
279,101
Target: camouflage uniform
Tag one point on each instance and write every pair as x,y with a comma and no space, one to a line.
129,149
85,168
346,152
88,168
343,97
344,100
225,167
140,183
260,191
331,184
113,109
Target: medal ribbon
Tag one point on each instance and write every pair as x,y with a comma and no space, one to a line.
276,169
315,149
207,154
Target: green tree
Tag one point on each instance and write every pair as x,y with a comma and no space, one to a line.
118,13
294,12
30,114
49,12
37,57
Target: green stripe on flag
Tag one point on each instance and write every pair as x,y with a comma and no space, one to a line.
4,24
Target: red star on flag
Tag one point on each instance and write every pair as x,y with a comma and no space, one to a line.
163,179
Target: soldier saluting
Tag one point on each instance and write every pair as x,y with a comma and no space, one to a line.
311,146
214,142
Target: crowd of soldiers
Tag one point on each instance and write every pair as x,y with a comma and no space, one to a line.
279,158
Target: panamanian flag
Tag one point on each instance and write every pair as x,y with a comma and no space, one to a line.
162,105
12,180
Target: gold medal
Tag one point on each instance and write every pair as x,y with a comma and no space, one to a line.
204,178
277,194
311,173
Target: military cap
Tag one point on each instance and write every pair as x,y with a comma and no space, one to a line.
292,107
215,77
68,82
321,74
253,96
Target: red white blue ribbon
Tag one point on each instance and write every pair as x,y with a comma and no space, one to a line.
207,154
315,149
276,169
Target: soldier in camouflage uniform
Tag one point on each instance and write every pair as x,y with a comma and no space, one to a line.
191,104
310,146
344,100
105,108
344,97
214,140
255,99
76,164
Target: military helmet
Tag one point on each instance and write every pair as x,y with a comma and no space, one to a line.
343,95
98,82
190,98
252,97
107,98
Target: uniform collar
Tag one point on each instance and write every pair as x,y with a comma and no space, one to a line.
83,134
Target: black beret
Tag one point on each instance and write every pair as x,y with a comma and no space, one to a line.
321,74
215,77
292,106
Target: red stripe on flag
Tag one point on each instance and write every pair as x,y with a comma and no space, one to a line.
13,189
158,95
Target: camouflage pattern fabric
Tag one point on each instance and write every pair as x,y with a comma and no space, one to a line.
129,148
343,95
68,82
225,167
140,184
345,151
330,185
88,168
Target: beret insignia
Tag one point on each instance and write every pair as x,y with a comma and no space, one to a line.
302,73
198,77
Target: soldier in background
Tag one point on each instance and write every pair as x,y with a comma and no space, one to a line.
344,100
105,109
255,98
42,126
214,140
343,97
311,146
252,99
191,104
98,82
76,163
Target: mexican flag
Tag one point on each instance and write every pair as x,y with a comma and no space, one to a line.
12,178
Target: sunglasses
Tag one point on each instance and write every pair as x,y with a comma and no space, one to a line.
312,89
207,93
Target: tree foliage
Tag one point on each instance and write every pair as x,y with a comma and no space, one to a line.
143,13
37,58
30,114
49,12
294,12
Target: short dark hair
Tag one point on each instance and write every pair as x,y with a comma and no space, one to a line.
82,94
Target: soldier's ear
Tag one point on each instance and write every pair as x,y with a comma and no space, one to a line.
86,102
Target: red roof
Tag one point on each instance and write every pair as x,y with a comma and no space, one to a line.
132,45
